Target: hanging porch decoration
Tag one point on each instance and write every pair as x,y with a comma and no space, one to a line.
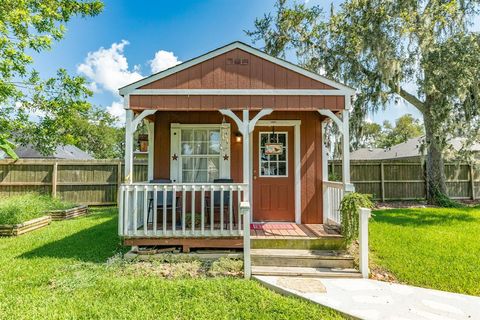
273,147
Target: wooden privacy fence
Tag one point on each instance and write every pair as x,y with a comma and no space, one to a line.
93,182
406,180
96,182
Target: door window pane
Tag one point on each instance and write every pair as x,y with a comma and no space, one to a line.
273,154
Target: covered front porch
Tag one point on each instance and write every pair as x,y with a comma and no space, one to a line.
234,136
167,206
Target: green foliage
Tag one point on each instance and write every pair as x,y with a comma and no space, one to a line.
31,109
7,146
429,247
444,201
98,134
21,208
384,48
349,211
61,272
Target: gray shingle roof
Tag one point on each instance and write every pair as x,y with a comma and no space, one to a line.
408,149
62,152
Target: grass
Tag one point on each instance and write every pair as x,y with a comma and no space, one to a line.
21,208
436,248
61,272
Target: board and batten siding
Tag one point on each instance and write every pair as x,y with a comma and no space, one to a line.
310,149
222,72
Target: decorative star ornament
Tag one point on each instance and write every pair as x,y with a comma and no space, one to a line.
225,157
174,157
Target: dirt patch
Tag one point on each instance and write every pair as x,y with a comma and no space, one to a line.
377,273
172,266
402,204
418,204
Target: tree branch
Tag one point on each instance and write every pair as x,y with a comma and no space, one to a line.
417,103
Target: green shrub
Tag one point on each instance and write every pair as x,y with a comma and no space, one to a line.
21,208
349,207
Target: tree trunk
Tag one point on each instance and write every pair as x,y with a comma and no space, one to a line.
435,170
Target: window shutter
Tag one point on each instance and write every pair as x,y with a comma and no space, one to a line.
225,151
175,153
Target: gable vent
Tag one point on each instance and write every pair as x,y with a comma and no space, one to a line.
239,61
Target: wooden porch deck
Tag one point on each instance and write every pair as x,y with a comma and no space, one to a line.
279,236
297,231
270,230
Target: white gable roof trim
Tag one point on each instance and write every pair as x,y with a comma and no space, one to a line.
131,88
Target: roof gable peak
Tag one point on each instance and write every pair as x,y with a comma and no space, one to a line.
227,48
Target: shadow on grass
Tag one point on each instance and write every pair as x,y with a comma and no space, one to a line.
92,244
420,217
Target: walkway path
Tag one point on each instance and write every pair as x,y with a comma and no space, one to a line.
370,299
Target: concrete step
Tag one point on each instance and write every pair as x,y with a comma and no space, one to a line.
305,272
301,258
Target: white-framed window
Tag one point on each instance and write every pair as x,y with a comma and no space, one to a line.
199,153
273,154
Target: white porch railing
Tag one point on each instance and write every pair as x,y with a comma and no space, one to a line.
181,209
332,196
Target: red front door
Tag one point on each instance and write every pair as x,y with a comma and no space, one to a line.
273,174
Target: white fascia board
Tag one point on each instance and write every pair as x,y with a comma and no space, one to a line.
235,45
240,92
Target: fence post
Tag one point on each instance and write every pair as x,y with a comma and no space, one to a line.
119,178
382,179
54,179
363,240
472,181
247,265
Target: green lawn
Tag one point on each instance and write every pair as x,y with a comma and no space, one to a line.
60,272
429,247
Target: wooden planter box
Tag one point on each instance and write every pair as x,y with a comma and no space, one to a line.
21,228
68,213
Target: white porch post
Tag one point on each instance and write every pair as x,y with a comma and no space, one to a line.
151,148
246,150
324,153
325,201
128,145
346,151
246,127
343,126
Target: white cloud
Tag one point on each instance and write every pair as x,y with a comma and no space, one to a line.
108,68
116,109
163,60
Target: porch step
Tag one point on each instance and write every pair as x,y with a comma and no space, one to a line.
301,258
319,243
306,272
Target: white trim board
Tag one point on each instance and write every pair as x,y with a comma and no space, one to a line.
239,92
297,164
234,45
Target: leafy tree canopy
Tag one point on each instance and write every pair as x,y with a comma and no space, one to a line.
423,51
373,135
32,109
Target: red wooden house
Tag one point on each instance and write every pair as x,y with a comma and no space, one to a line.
233,125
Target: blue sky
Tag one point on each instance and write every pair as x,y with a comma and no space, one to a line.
132,33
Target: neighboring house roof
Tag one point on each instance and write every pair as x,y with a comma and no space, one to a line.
62,152
408,149
229,47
